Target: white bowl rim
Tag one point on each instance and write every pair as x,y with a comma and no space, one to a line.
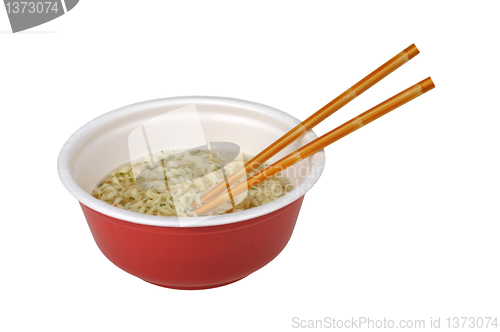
317,164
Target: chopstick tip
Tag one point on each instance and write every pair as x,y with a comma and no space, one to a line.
427,85
411,51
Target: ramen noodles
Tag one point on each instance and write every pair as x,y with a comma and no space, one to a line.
169,187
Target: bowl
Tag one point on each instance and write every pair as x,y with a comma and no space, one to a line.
187,253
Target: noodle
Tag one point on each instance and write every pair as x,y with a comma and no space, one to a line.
188,175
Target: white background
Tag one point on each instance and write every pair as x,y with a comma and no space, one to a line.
403,224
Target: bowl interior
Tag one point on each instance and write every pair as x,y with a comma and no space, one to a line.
101,145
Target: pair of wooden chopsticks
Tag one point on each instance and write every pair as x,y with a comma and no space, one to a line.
217,196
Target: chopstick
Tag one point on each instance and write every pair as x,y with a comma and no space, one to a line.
327,110
323,141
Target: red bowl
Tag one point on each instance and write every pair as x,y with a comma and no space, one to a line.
187,253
